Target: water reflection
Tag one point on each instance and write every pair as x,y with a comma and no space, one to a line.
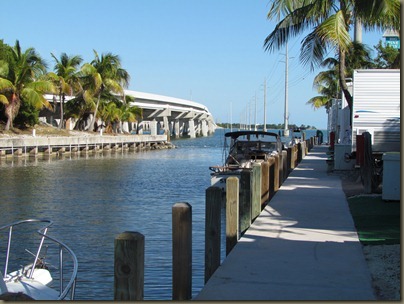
92,198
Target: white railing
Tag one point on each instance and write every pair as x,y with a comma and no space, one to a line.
71,281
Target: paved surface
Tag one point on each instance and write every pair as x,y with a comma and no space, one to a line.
303,246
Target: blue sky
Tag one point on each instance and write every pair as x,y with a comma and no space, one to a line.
207,51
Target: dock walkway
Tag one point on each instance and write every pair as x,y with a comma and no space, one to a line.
303,245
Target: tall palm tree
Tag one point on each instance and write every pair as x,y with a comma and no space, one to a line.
66,79
330,22
103,74
21,81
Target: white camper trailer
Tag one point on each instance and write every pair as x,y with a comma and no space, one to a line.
376,108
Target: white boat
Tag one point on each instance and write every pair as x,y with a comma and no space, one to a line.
34,279
246,148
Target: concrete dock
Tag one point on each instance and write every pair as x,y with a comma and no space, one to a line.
303,245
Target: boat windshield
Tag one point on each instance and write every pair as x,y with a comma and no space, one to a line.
247,146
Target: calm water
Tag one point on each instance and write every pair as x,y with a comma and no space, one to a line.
93,199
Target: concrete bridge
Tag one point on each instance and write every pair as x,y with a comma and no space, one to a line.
177,117
161,115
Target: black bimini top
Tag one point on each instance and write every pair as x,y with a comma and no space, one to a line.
237,134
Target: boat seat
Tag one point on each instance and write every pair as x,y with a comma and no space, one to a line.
33,288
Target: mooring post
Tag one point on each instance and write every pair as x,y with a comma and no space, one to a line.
271,161
256,191
245,200
289,161
264,183
299,153
280,177
276,173
232,215
212,230
284,165
129,266
182,251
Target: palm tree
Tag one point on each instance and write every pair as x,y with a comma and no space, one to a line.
66,79
109,113
103,74
327,82
130,113
330,22
116,111
21,81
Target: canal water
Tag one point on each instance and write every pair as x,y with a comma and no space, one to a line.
92,199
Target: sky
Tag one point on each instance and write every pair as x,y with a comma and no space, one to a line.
207,51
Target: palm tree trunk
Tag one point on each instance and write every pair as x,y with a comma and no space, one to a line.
61,103
342,81
11,110
91,126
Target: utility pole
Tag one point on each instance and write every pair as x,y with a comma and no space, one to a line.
249,115
358,30
255,114
286,117
265,104
231,118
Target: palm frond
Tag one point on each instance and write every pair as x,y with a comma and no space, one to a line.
313,50
3,99
42,87
6,85
379,14
4,68
318,102
34,98
334,31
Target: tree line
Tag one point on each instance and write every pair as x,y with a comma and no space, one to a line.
97,88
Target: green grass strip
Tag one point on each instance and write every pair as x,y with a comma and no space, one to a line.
377,222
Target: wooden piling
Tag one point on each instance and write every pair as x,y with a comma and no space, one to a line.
280,168
299,153
182,251
284,165
256,191
293,157
232,213
245,200
271,161
264,183
129,266
276,173
212,230
289,161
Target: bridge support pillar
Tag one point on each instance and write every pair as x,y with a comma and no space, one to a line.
211,127
166,125
204,128
191,125
177,128
153,127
